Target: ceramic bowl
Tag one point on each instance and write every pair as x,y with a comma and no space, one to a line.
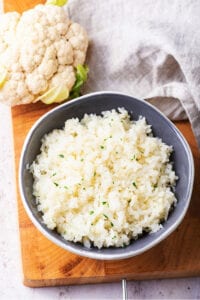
161,127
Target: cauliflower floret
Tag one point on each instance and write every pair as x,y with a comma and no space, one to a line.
8,27
40,50
65,75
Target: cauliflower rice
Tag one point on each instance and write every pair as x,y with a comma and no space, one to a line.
104,180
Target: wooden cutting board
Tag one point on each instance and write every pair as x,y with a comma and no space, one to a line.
45,264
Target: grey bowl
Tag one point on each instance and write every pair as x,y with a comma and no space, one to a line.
96,103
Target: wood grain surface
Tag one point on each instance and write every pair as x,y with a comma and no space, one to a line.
45,264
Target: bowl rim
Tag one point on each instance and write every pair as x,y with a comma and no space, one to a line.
97,255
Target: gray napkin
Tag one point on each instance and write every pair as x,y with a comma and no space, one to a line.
146,48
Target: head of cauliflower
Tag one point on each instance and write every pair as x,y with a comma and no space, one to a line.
40,54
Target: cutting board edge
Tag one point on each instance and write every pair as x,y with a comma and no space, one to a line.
98,280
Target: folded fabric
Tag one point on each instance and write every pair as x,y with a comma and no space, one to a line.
146,48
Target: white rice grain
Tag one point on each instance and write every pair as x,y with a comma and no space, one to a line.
103,180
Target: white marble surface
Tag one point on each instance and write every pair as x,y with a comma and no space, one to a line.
11,286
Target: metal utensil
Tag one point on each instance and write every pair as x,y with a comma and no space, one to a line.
124,290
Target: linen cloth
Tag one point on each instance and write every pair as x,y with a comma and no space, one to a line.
149,49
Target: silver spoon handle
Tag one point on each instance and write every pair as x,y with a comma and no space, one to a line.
124,290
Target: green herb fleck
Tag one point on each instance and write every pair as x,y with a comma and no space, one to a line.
84,188
66,187
61,155
134,184
114,237
95,173
43,172
104,202
105,216
56,184
110,136
54,174
102,147
82,159
92,224
116,152
111,223
155,186
133,157
91,212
